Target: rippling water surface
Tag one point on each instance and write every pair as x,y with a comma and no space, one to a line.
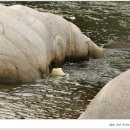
66,97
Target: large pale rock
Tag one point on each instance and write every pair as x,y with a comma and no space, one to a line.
30,41
113,101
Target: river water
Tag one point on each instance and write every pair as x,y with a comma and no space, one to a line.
67,97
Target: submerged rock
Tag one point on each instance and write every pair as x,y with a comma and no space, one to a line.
117,45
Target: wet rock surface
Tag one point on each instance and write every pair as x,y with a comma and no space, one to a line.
66,97
62,97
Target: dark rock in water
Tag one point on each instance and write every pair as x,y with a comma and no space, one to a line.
117,45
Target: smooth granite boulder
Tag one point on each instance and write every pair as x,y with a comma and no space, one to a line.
113,101
31,41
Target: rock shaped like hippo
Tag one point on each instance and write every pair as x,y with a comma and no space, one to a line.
30,41
113,101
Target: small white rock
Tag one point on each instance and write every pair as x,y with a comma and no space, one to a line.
57,72
72,18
